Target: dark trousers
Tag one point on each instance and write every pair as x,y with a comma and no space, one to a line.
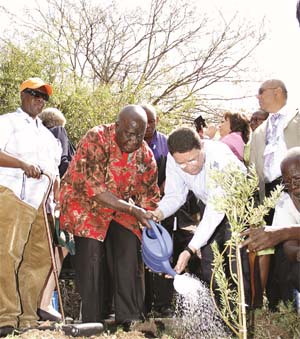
113,267
282,280
221,235
92,279
269,187
126,270
159,290
276,288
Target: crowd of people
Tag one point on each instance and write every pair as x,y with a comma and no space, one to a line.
122,175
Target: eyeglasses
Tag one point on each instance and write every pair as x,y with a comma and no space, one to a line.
262,90
36,94
191,162
291,183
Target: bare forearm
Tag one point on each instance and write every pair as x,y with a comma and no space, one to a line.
292,250
285,233
7,160
109,200
269,236
293,232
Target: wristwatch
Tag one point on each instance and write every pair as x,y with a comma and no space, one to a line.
189,250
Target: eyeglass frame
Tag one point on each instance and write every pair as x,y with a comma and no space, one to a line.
191,162
37,94
291,183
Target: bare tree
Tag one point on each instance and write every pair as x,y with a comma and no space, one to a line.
169,54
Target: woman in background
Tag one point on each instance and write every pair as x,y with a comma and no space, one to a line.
235,131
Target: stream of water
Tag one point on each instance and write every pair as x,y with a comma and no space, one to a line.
195,312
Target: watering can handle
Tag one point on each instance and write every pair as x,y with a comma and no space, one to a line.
158,236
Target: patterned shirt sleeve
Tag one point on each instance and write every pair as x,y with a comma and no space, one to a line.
87,170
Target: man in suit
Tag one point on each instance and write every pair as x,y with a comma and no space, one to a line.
269,145
277,134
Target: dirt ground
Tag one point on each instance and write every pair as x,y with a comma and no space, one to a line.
149,329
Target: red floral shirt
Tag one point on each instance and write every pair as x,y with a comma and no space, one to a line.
99,166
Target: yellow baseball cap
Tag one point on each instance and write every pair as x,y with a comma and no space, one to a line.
34,83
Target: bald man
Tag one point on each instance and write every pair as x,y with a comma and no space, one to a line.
270,143
109,185
272,139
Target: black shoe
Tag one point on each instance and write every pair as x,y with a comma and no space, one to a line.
6,330
128,324
165,312
44,316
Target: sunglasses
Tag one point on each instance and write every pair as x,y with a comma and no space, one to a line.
36,94
262,90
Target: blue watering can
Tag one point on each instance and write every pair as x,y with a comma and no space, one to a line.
157,248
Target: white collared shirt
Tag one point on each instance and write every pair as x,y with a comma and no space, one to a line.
286,213
277,147
28,139
217,156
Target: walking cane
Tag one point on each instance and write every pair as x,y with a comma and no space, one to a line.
50,243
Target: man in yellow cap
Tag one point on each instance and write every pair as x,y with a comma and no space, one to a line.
27,148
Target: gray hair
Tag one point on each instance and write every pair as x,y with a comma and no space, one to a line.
52,117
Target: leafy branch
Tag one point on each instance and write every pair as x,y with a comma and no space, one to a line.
242,210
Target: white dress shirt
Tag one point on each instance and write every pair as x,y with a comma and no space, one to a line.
217,156
286,213
276,147
29,140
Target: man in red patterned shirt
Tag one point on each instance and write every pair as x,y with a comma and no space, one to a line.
111,167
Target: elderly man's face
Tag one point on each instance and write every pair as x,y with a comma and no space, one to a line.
291,178
130,135
190,162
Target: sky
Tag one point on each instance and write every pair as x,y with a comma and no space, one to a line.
278,56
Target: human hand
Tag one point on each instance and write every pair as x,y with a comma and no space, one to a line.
182,261
57,208
210,131
31,170
157,215
261,238
142,216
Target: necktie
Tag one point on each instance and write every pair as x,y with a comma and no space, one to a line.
272,132
272,138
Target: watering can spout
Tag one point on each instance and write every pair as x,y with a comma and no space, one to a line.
157,248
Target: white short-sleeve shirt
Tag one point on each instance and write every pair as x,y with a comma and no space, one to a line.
28,139
286,213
